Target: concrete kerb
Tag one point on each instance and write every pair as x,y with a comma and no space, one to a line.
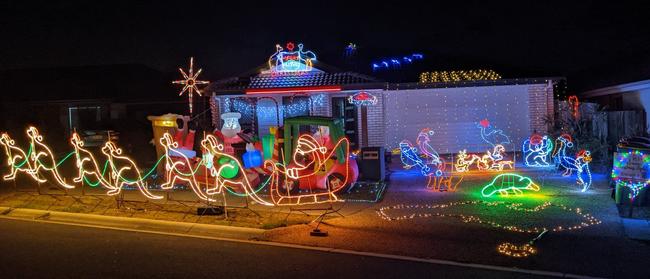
134,223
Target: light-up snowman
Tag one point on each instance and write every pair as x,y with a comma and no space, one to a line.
231,125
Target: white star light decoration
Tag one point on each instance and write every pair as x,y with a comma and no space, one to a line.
190,82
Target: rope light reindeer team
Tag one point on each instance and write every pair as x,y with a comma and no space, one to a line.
119,170
492,160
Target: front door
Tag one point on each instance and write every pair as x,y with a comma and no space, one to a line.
342,109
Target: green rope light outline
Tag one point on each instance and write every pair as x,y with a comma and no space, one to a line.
151,170
29,152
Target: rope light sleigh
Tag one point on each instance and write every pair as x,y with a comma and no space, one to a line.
205,178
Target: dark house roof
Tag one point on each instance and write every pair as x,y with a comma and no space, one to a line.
322,76
308,80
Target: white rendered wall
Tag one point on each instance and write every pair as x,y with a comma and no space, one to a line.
454,113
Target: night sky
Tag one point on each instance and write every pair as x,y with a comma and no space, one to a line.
518,39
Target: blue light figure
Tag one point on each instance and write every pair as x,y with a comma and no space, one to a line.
350,50
536,151
410,158
580,164
493,137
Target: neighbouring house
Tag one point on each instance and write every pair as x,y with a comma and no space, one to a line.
627,103
107,97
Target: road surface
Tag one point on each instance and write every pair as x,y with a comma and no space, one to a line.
45,250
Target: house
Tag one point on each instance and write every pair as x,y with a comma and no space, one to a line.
294,82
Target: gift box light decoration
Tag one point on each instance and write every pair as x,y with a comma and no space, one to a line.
509,183
252,158
537,151
190,83
268,143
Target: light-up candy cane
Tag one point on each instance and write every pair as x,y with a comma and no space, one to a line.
215,149
120,167
41,152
